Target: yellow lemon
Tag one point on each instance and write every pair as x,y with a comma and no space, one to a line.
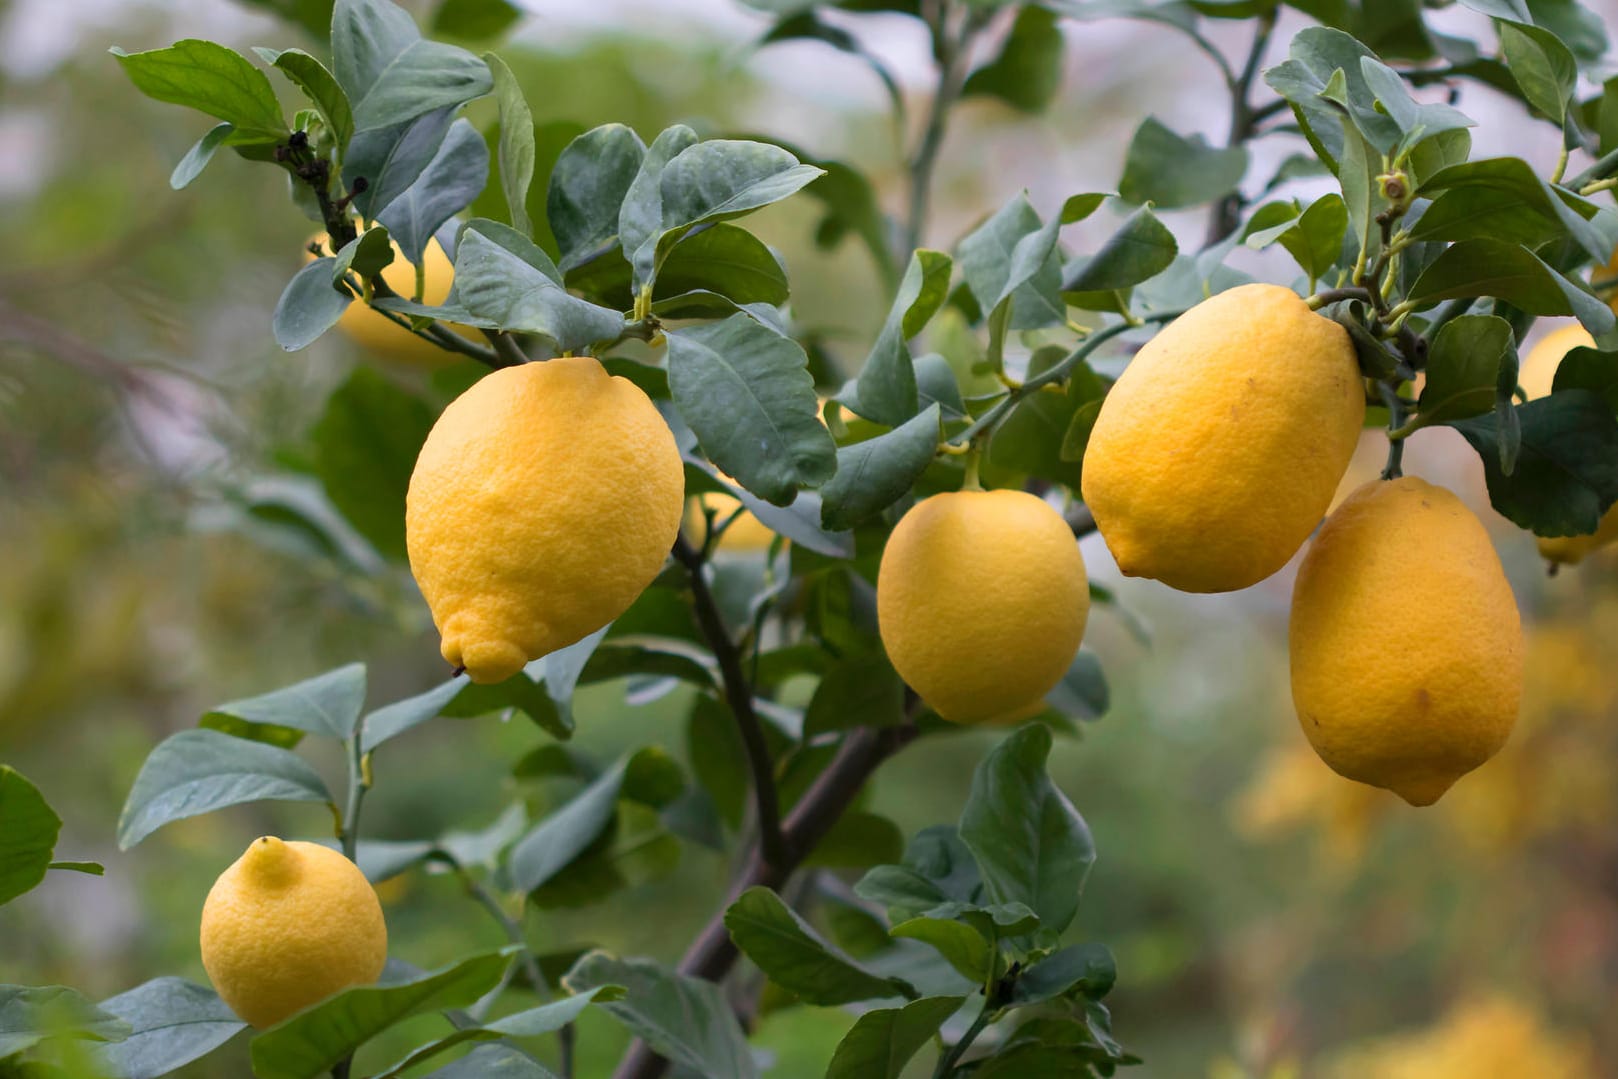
288,925
544,501
743,535
1217,451
981,599
1537,374
378,334
1406,646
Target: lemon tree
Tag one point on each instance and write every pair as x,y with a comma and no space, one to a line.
610,374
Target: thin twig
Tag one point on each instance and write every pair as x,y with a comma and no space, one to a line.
952,53
739,696
530,963
946,1063
1226,213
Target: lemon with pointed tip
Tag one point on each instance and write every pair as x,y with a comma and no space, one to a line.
543,502
1218,450
288,925
380,335
1406,646
1536,377
981,601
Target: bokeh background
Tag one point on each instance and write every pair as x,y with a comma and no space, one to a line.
1269,919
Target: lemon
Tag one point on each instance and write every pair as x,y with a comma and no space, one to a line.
1535,378
376,333
1218,450
1406,646
544,501
743,535
981,600
288,925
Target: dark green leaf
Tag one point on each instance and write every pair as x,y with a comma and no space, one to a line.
1508,272
1566,474
725,178
475,20
686,1020
1317,53
366,255
859,840
746,392
886,387
391,75
394,719
795,957
718,758
883,1040
1029,841
515,295
1463,367
1082,692
28,831
566,833
1012,256
876,473
1504,199
1142,248
1174,172
640,219
530,1023
365,447
1543,67
172,1022
207,76
313,1041
328,704
196,772
937,868
309,306
1078,968
1589,369
516,142
727,261
587,190
1027,72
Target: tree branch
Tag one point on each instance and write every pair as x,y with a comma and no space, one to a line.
951,53
713,953
739,696
1226,213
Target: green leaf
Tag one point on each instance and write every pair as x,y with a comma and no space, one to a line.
1027,72
1608,119
1082,692
1316,55
28,831
795,957
530,1023
883,1040
328,704
718,757
635,853
196,772
514,294
448,183
391,158
1505,199
859,840
1463,368
366,255
31,1014
886,387
309,306
493,1062
475,20
874,474
320,87
1079,968
1566,474
722,179
1029,841
394,719
961,945
1142,248
365,446
1512,273
1315,239
1544,68
1357,169
390,74
566,833
313,1041
172,1023
686,1020
1012,257
1589,369
1416,121
196,159
726,261
587,190
640,219
210,78
937,868
1174,172
1031,438
747,393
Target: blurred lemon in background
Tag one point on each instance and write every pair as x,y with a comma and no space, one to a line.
380,335
1490,1037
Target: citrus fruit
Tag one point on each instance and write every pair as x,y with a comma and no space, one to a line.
544,501
1217,451
1406,645
288,925
982,599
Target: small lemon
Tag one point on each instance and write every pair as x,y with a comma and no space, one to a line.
288,925
1537,374
1218,450
544,501
380,335
982,599
1406,645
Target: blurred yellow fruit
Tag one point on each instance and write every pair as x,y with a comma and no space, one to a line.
1601,277
544,501
745,534
1488,1038
288,925
1217,451
1406,645
982,599
380,335
1291,790
1535,378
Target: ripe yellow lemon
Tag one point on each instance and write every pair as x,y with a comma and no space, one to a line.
981,599
1406,646
378,334
1537,374
1217,451
288,925
544,501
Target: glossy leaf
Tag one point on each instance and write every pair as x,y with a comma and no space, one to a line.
391,158
795,957
1142,248
876,473
1463,367
1011,257
320,87
28,831
961,945
886,387
1512,273
196,159
210,78
640,218
1542,65
937,868
883,1040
